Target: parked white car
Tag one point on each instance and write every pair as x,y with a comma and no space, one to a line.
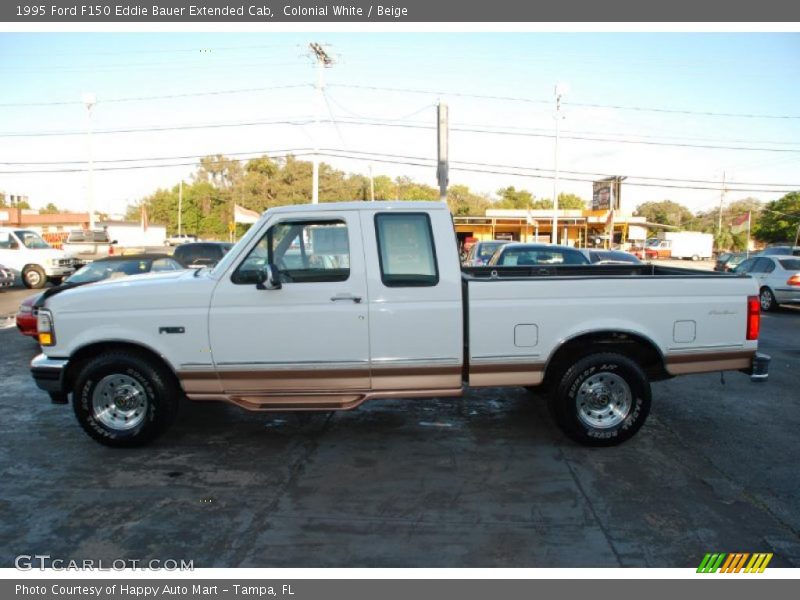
778,278
32,259
177,240
323,307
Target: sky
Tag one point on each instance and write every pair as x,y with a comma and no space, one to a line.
678,93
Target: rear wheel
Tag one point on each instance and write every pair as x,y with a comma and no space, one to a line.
121,399
767,300
34,277
602,400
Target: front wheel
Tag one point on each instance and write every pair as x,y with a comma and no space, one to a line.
34,277
121,399
602,400
767,300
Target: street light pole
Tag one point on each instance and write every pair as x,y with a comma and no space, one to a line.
559,91
89,100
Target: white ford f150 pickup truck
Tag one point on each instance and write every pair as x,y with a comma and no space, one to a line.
323,307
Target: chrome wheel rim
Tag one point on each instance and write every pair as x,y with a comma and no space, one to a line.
33,278
119,402
766,299
604,400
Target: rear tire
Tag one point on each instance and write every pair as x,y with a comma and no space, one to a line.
34,277
767,300
601,400
121,399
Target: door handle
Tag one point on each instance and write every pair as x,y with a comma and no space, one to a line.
356,299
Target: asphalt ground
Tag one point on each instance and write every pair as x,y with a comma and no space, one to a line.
481,481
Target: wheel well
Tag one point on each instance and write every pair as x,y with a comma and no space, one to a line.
85,353
638,348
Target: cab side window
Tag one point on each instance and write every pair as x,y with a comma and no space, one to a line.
7,242
302,252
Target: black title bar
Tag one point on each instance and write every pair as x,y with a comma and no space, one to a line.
409,11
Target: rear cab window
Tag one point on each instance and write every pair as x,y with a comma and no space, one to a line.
406,252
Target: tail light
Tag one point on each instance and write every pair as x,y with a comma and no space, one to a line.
753,317
794,280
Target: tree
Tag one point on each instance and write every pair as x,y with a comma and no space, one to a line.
512,198
780,219
50,209
463,202
571,201
665,212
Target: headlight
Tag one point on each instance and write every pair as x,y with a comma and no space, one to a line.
46,328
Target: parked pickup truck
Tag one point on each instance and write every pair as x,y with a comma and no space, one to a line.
86,246
326,306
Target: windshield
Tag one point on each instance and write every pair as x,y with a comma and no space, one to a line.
487,249
32,240
522,256
98,271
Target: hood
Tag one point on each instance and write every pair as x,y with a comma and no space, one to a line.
156,291
47,253
29,301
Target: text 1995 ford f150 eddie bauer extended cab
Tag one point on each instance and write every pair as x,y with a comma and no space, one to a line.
323,307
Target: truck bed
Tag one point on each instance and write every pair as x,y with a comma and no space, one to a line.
593,271
517,318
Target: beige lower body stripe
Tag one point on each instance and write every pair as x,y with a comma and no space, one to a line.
317,389
705,362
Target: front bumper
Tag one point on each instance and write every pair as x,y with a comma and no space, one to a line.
48,373
59,271
759,371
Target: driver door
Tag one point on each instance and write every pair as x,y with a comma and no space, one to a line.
311,335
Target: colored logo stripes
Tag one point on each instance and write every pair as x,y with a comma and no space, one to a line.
735,562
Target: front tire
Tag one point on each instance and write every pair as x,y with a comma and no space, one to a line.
601,400
767,300
122,399
34,277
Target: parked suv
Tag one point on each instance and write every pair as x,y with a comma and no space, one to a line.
201,254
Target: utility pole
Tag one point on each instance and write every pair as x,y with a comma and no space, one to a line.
719,215
442,150
180,207
323,61
559,91
89,100
371,186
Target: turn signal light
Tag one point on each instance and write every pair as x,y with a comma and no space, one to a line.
793,280
753,317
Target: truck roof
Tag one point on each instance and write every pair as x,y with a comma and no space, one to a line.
361,205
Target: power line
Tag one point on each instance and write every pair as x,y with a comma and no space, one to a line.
479,130
585,105
406,160
522,133
158,97
295,121
536,174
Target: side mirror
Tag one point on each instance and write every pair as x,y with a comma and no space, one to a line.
271,278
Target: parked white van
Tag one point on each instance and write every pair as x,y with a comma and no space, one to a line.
32,259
